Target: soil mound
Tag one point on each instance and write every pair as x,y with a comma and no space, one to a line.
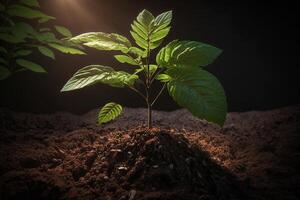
160,160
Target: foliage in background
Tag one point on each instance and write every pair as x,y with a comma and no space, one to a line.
180,67
24,30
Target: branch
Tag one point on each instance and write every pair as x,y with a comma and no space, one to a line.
158,95
137,91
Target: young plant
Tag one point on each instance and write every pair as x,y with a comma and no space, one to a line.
179,67
23,31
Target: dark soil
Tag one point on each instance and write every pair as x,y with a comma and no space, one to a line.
256,155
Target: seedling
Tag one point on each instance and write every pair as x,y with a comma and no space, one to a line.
179,67
24,30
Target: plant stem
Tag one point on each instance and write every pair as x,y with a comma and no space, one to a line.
158,95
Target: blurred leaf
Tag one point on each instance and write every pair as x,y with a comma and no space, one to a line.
10,38
93,74
3,50
4,72
3,61
21,30
64,31
16,10
23,52
46,52
2,7
30,66
103,41
32,3
65,49
198,91
45,29
109,112
47,37
126,59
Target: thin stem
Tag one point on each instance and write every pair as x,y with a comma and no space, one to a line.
158,95
138,92
152,78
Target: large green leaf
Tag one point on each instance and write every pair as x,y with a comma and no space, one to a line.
149,31
198,91
32,3
103,41
64,31
93,74
17,10
66,49
187,53
30,65
4,72
46,51
109,112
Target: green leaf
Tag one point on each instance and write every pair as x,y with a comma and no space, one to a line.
46,52
93,74
4,72
198,91
65,49
23,52
163,20
32,3
109,112
148,31
137,52
3,50
3,61
163,78
16,10
2,7
187,53
126,59
45,29
64,31
30,65
152,69
22,30
103,41
10,38
46,37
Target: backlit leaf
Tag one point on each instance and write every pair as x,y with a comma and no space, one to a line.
64,31
109,112
65,49
93,74
103,41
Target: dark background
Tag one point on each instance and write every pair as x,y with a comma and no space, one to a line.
258,68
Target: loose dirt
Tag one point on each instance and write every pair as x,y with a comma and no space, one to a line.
256,155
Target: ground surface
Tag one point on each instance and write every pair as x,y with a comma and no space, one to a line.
256,155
